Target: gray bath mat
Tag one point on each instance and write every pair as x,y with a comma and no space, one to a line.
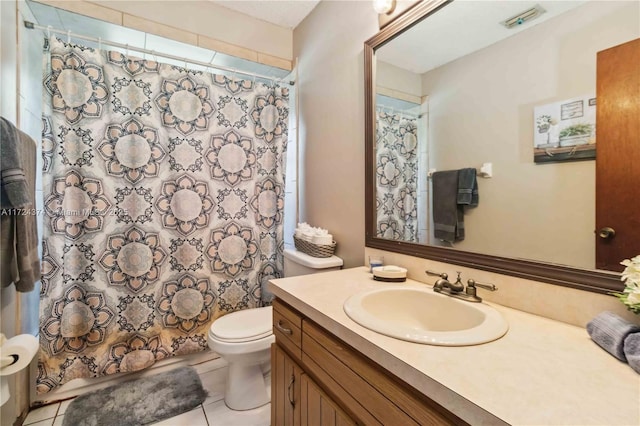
138,402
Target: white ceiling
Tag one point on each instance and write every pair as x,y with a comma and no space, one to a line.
285,13
460,28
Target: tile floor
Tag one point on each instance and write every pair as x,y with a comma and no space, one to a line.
212,412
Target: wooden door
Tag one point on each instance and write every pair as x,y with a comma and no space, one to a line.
618,154
317,409
285,389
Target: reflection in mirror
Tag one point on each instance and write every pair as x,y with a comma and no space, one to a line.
465,89
400,160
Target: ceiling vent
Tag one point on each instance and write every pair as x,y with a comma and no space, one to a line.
526,16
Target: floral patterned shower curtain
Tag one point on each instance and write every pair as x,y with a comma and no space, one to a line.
396,177
164,195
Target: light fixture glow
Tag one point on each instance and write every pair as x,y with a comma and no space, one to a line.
383,6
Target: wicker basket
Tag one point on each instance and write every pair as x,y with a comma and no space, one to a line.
315,250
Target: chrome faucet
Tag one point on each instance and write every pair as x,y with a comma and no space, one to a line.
441,282
457,289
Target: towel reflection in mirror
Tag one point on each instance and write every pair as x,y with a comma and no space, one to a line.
452,190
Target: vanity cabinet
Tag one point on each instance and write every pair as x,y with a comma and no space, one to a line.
317,379
285,388
295,398
319,408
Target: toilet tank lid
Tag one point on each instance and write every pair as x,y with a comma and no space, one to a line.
310,261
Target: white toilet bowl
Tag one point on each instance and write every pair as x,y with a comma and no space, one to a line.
243,339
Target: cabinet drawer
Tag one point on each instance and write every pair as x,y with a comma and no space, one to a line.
287,312
287,328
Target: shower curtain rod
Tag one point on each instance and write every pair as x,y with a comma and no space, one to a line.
69,34
399,111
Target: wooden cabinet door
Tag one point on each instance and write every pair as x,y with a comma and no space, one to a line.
317,409
618,154
285,388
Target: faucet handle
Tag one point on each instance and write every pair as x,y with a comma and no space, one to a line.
459,280
473,283
442,275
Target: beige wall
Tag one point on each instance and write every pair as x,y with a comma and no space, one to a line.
329,46
395,79
482,107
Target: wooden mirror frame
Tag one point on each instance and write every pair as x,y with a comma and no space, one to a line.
583,279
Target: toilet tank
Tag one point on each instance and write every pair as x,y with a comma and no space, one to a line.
298,263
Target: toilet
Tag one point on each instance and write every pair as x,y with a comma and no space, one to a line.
298,263
244,338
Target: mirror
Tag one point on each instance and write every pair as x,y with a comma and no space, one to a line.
449,87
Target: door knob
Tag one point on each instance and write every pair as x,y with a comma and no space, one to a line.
606,232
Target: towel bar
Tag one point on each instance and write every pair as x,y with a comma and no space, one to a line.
486,171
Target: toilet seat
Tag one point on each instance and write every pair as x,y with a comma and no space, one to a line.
244,340
243,326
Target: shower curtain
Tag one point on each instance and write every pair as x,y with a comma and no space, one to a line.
396,177
164,194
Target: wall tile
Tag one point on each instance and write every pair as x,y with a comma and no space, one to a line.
274,61
31,70
88,9
159,29
227,48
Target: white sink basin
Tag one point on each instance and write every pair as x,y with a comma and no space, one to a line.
422,316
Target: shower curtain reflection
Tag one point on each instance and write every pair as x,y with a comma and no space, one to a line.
398,161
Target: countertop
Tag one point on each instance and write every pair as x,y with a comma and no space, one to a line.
542,372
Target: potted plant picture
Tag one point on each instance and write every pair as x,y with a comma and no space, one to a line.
576,134
565,130
542,123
